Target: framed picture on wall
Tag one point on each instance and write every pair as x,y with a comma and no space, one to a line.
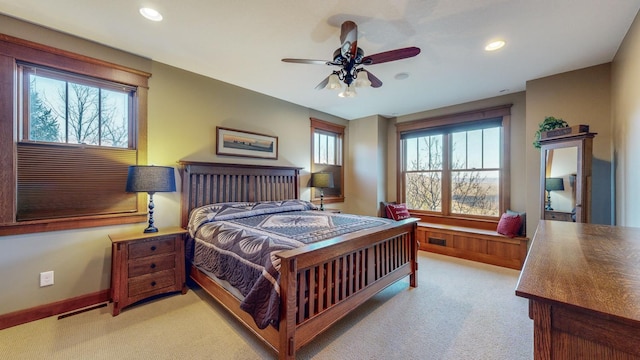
245,143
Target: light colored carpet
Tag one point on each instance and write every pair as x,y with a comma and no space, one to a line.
460,310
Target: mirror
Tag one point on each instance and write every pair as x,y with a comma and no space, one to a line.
561,168
565,177
560,175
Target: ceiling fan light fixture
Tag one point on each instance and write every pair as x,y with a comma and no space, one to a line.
349,57
363,79
151,14
349,92
334,83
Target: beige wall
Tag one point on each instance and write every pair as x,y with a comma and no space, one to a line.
184,110
626,127
579,97
364,175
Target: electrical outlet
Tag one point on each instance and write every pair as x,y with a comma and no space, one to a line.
46,278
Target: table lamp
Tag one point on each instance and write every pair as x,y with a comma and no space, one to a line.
552,184
322,180
151,179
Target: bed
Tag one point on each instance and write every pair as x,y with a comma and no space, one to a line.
320,282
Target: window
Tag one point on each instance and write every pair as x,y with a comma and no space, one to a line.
327,156
75,124
326,148
454,166
61,107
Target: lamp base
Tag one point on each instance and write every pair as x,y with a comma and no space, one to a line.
151,229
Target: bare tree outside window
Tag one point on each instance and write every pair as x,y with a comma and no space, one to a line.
424,191
474,193
115,123
77,113
82,112
424,173
473,174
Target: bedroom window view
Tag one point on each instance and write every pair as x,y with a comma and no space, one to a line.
466,177
68,109
423,172
74,135
326,148
78,124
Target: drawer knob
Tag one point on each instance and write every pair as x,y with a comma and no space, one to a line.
153,283
153,248
153,265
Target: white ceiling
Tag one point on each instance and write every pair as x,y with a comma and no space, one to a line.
242,42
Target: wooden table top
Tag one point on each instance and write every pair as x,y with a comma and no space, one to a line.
588,267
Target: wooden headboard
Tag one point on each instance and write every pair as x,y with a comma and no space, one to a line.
209,183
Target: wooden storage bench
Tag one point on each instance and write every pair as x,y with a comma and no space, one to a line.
485,246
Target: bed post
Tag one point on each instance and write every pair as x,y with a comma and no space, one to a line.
413,240
183,170
287,329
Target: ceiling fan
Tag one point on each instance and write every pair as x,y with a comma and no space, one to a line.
350,58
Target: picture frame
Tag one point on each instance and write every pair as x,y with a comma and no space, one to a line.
245,144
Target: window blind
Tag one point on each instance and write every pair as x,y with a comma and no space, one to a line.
57,181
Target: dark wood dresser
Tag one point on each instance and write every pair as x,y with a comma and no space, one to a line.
583,283
146,264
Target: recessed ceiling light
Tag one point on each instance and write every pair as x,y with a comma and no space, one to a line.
494,45
151,14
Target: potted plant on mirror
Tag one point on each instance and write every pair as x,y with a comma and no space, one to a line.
549,123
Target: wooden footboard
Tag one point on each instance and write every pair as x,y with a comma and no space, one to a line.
321,284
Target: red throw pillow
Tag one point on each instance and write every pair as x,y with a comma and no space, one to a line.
397,211
509,225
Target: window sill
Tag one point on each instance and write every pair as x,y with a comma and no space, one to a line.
35,226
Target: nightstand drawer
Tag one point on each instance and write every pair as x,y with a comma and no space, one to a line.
156,281
151,265
152,247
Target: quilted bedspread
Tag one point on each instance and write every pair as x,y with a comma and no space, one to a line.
237,242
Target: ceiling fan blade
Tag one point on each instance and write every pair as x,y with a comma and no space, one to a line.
323,83
375,82
307,61
349,39
391,55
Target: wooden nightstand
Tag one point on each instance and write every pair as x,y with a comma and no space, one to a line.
144,265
